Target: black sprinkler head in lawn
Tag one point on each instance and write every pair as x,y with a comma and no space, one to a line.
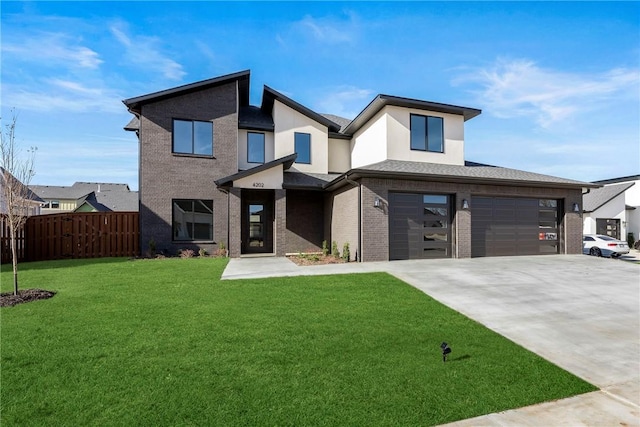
445,350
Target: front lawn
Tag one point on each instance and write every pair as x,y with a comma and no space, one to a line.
165,342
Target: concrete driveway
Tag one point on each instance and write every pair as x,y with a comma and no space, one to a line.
581,313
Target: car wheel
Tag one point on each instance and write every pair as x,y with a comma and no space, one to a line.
595,252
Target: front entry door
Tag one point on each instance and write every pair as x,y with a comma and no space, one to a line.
257,221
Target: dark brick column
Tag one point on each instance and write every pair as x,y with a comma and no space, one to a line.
462,226
235,215
280,226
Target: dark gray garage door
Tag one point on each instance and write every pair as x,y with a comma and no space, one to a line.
419,226
513,226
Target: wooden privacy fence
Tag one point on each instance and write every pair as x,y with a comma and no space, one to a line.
79,235
5,241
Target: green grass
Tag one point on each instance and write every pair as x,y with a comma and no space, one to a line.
165,342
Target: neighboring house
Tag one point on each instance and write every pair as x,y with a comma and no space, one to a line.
280,178
614,208
87,197
33,204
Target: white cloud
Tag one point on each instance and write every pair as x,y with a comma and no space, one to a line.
344,101
145,52
57,95
53,49
329,30
513,88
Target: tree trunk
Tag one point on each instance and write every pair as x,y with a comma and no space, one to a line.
14,259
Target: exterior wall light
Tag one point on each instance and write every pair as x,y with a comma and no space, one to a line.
465,204
377,202
576,208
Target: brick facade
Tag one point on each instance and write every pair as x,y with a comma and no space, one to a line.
343,210
304,221
165,176
375,220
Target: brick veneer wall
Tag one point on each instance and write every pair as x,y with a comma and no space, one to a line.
281,220
375,221
344,219
305,221
165,176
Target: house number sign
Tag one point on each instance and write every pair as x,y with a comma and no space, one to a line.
258,184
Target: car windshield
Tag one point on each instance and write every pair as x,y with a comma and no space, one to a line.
608,238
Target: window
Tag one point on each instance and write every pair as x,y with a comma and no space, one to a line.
192,220
52,204
427,133
255,147
303,147
193,137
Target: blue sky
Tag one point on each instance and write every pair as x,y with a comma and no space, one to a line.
558,83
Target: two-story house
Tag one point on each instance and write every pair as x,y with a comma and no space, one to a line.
280,178
86,197
614,208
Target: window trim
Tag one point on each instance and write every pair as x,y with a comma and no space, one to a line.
192,153
426,133
295,134
264,143
192,240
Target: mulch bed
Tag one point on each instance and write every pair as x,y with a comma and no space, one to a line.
315,259
27,295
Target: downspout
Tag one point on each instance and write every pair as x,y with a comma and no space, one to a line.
357,184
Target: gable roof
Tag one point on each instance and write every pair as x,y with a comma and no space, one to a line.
470,172
77,190
618,180
598,197
270,95
343,122
31,195
242,77
380,101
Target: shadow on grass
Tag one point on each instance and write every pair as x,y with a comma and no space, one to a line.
62,263
459,358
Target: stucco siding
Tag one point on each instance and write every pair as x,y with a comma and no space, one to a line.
269,153
369,143
339,155
399,137
614,209
287,122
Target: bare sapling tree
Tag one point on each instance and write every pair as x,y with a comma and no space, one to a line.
16,200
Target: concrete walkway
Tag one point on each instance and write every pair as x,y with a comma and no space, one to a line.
580,312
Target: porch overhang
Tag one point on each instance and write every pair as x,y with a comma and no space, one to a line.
269,175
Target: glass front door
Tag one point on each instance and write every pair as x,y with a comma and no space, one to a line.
257,221
256,226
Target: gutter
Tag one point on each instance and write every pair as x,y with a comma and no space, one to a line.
357,184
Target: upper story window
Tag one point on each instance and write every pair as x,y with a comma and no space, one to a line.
255,147
427,133
193,137
303,147
52,204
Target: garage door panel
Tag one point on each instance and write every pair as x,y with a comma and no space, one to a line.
513,226
419,226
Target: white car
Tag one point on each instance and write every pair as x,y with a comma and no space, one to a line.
601,245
